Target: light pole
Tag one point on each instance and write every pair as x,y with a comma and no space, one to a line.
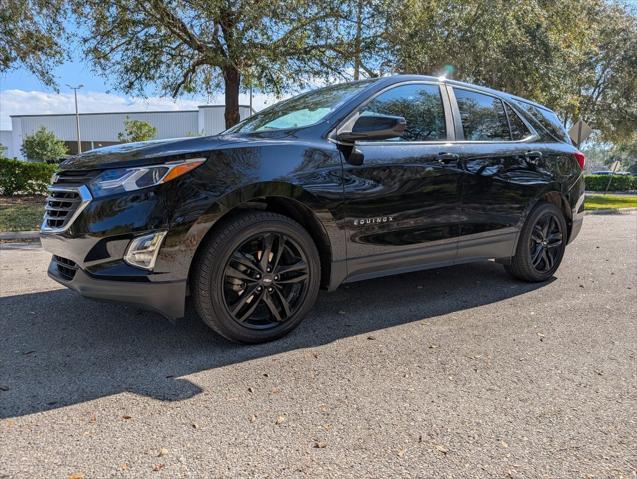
77,117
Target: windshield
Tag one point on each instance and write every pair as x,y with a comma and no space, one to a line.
300,111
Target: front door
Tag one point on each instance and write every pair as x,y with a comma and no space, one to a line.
401,205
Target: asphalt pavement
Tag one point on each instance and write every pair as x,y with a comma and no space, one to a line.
457,372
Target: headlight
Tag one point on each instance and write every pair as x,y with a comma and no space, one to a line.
129,179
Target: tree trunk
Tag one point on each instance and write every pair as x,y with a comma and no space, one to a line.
232,82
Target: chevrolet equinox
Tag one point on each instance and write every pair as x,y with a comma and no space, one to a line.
340,184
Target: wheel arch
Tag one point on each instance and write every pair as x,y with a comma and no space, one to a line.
555,196
283,198
558,199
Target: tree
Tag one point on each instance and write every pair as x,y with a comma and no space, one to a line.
626,153
605,87
31,36
136,130
578,57
210,45
43,146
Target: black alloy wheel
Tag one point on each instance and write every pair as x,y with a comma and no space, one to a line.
256,277
541,244
265,280
545,242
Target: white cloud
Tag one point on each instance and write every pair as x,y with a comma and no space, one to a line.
20,102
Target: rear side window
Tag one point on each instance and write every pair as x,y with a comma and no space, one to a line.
519,130
483,117
419,104
548,120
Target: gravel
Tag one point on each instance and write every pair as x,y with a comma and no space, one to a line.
457,372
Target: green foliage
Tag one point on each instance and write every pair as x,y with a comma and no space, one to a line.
211,45
32,36
617,182
43,146
626,154
136,130
24,177
578,57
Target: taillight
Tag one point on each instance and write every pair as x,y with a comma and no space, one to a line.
581,159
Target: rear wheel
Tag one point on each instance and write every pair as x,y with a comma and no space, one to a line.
541,244
256,278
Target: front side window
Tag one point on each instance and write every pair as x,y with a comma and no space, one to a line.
419,104
300,111
483,117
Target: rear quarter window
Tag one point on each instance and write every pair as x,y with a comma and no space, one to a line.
547,120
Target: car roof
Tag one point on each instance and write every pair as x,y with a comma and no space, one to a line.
403,77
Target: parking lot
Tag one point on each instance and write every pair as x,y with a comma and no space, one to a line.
458,372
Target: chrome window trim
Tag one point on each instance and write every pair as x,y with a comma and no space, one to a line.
85,199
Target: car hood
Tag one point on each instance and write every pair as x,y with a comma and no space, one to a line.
150,152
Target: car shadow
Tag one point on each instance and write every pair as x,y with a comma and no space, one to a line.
59,349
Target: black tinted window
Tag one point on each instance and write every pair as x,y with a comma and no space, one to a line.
483,117
419,104
519,131
548,120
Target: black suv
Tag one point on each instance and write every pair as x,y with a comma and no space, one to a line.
340,184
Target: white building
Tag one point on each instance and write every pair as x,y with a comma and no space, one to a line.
101,129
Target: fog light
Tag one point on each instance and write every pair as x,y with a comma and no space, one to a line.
142,251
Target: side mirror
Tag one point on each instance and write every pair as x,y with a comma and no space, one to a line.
372,127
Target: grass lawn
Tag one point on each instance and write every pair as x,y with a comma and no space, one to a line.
599,202
21,213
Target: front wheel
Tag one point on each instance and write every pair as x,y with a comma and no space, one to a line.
256,278
541,244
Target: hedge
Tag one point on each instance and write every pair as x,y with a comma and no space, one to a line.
24,177
617,183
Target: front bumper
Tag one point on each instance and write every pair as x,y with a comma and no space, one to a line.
166,298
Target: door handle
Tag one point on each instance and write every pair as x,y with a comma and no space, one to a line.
444,158
533,154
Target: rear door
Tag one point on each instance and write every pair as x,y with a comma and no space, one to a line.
502,172
401,205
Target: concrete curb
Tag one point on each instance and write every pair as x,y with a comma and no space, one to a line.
20,236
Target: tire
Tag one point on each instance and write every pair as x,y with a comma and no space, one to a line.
236,294
541,244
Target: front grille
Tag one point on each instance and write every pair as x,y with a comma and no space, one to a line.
65,267
68,196
74,177
62,206
59,208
